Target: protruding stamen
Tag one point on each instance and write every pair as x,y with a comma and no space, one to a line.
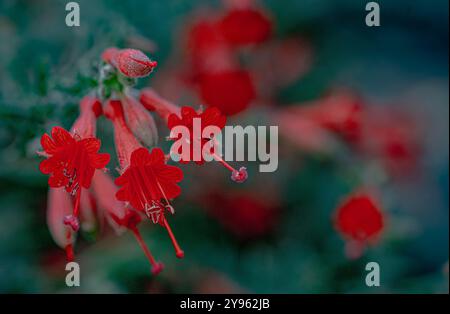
178,251
69,253
238,176
157,267
72,221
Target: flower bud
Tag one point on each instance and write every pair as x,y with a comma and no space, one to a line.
134,63
140,121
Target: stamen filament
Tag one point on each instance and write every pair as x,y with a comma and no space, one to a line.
178,251
157,267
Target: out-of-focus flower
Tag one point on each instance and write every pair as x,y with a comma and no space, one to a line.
340,112
231,91
244,215
360,221
133,63
391,137
306,134
245,26
294,57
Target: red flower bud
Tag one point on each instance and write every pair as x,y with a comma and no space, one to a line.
134,63
140,121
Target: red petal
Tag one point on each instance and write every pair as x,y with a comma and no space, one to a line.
47,166
61,136
47,144
157,156
139,157
92,145
99,161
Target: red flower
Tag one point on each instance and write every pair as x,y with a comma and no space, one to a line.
71,163
231,91
148,184
245,26
359,220
134,63
148,179
245,216
209,117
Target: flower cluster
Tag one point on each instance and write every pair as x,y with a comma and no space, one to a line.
82,193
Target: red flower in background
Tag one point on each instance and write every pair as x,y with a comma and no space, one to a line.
245,216
231,91
245,26
71,163
340,112
360,221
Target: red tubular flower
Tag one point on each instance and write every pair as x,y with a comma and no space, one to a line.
85,125
207,49
360,221
134,63
231,91
153,102
147,182
59,205
71,163
140,121
209,117
340,112
245,26
124,139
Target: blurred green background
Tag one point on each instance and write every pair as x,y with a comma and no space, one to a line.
46,67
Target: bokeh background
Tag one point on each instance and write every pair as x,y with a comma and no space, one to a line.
275,233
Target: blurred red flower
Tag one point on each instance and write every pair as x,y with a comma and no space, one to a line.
231,91
245,26
244,215
360,220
